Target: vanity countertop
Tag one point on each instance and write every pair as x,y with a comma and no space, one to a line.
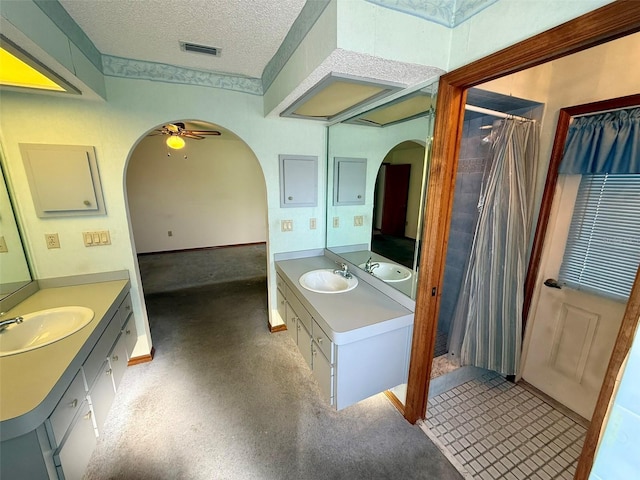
349,316
31,383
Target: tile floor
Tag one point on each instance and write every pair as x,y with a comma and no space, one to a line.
498,430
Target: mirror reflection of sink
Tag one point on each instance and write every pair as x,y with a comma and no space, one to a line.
325,281
390,272
42,328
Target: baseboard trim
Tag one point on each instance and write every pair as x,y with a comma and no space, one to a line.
278,328
142,358
394,401
180,250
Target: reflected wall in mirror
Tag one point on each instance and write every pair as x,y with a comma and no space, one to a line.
382,235
14,268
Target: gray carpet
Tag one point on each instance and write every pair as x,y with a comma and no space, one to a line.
168,271
225,399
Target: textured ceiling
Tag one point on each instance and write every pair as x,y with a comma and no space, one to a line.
152,29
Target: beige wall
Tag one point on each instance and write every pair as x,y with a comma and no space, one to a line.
607,71
216,196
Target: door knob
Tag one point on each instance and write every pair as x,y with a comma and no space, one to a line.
552,282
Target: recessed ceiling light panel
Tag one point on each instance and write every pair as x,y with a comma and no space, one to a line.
335,94
414,105
20,70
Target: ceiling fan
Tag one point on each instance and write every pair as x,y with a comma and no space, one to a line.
177,132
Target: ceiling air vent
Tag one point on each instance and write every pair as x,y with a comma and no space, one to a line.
194,47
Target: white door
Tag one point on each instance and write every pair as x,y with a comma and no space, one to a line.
570,334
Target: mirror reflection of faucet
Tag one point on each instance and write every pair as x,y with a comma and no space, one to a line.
369,267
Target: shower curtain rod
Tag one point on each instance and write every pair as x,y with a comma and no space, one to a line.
495,113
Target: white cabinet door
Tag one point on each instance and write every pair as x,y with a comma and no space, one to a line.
102,394
298,181
282,306
118,360
349,181
73,457
66,410
304,343
130,334
292,323
323,373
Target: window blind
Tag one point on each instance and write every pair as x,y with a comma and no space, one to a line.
603,248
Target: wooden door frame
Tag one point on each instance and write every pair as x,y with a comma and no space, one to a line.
607,23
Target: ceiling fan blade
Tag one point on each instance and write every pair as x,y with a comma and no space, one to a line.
191,135
157,132
205,132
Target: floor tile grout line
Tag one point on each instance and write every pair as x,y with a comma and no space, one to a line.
488,389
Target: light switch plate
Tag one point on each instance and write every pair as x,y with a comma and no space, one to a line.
336,222
312,224
287,225
358,221
96,239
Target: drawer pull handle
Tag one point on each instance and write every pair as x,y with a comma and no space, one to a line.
108,371
298,326
314,352
319,340
128,332
115,358
73,404
128,307
87,416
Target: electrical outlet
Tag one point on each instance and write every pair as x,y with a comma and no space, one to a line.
336,222
286,225
52,240
358,221
312,224
3,245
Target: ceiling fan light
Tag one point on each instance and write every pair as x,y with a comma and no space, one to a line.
175,142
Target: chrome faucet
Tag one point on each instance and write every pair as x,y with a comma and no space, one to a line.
343,270
369,267
10,321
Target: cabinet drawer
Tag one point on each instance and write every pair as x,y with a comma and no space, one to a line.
301,312
66,410
102,394
323,342
281,284
100,352
73,457
125,310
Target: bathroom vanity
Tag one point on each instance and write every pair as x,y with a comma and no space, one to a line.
357,343
54,399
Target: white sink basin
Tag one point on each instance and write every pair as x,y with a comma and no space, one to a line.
325,281
390,272
43,328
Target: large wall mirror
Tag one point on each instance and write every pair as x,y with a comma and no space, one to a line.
381,156
14,268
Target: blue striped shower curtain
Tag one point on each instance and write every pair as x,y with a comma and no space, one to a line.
487,326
